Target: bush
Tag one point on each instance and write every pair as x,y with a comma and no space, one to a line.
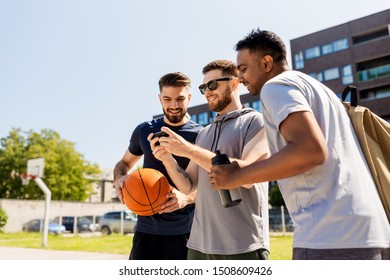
3,219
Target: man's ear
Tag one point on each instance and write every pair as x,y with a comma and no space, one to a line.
268,63
236,83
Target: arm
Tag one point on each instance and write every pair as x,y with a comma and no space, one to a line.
183,179
306,148
177,145
255,149
121,169
177,200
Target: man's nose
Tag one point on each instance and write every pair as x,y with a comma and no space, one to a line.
174,104
240,77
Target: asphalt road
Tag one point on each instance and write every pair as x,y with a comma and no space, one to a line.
13,253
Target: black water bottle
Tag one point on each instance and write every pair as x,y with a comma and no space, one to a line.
229,198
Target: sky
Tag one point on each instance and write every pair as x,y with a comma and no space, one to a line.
89,69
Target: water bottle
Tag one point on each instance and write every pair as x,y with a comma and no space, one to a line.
229,198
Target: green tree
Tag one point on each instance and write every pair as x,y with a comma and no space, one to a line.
67,174
275,196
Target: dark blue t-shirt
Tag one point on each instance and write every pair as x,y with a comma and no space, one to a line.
177,222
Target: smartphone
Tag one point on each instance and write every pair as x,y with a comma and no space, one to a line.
160,134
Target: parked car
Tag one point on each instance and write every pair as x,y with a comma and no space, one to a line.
83,223
111,222
95,226
36,225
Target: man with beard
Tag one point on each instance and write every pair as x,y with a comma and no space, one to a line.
315,156
235,233
164,235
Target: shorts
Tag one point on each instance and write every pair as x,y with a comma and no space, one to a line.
341,254
159,247
260,254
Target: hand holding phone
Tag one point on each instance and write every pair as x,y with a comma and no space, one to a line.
160,134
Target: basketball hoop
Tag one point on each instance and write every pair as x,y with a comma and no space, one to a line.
26,178
35,169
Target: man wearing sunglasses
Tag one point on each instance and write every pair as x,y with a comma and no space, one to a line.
162,236
239,232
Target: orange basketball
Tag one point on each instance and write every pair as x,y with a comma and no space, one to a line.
145,190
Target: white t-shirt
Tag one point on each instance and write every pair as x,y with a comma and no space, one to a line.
336,204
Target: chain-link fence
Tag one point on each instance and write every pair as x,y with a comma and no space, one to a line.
279,220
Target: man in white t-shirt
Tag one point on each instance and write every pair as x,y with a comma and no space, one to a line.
315,156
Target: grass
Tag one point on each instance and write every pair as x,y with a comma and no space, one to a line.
281,246
112,244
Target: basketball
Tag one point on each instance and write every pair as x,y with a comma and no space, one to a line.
145,190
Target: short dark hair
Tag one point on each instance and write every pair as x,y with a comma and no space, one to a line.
228,68
175,79
266,42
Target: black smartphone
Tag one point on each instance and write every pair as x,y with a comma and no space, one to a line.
160,134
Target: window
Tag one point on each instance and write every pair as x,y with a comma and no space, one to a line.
384,32
256,105
312,52
327,49
298,60
375,93
340,45
374,73
367,94
383,71
193,118
334,46
203,118
212,115
331,74
317,76
347,76
318,51
383,93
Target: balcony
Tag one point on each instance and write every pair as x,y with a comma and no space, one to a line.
374,73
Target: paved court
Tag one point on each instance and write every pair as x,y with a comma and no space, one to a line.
13,253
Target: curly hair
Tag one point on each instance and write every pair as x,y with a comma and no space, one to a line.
266,42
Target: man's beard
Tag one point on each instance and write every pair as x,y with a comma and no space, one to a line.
253,91
222,103
175,119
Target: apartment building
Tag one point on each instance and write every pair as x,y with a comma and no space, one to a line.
356,52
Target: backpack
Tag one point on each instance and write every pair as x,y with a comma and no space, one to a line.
373,134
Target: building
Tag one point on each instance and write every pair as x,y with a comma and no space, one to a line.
202,115
104,189
357,53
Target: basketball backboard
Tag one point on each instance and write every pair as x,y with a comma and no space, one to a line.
35,167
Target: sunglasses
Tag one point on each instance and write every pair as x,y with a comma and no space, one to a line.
212,85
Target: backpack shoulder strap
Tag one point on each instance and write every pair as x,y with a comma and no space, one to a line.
350,89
